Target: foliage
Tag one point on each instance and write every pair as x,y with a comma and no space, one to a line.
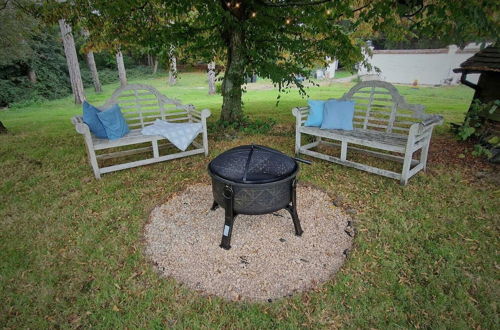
424,256
277,40
49,64
17,26
218,88
475,128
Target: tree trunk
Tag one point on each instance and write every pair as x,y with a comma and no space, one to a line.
93,70
92,66
3,129
155,65
233,78
122,74
211,78
72,60
150,61
32,75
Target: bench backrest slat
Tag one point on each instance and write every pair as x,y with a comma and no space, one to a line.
141,105
379,106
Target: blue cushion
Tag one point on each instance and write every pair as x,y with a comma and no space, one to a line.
315,117
114,122
338,115
90,118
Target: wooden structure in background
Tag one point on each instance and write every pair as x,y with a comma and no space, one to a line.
487,63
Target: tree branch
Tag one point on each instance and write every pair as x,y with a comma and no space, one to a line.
422,7
293,3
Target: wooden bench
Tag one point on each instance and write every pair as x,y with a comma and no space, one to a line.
382,121
141,105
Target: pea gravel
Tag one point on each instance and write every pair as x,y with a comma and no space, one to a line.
266,260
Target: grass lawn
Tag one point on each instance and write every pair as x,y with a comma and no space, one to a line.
425,255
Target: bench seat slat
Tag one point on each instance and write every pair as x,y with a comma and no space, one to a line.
382,140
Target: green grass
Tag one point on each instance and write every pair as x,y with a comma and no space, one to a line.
72,247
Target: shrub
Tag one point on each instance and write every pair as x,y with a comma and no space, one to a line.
475,127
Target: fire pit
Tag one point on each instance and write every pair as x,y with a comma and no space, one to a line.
253,179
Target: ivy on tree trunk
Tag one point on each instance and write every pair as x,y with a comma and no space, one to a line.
172,72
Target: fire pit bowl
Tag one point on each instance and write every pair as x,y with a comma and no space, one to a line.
253,180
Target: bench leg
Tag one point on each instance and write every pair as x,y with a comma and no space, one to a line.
424,153
406,167
156,152
343,150
205,142
93,163
92,157
297,141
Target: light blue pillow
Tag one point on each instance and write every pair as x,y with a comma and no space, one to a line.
92,120
338,115
315,117
114,123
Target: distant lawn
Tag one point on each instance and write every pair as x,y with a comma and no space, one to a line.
72,249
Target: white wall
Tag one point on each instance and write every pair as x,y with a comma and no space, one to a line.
424,66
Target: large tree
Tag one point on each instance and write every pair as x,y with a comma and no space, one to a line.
280,39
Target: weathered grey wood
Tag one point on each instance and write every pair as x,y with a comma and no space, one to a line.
405,129
377,154
122,74
150,161
358,166
72,60
130,152
186,112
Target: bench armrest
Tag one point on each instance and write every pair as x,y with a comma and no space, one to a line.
203,114
425,126
432,120
301,114
80,126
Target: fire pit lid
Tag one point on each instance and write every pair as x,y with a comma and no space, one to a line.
253,164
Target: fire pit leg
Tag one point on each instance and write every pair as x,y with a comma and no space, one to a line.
229,218
215,206
293,210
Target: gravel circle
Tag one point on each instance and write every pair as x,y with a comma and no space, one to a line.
266,260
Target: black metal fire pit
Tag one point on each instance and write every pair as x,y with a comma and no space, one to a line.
253,179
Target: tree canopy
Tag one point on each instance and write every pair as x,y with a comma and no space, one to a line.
276,39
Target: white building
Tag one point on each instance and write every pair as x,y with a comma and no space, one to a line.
419,66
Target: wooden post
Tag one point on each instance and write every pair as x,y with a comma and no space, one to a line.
211,78
92,66
122,74
72,60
